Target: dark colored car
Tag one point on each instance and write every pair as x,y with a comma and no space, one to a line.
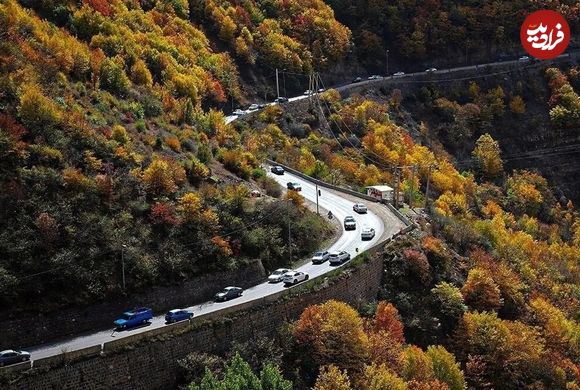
281,99
357,80
228,293
176,315
278,170
294,186
140,315
11,356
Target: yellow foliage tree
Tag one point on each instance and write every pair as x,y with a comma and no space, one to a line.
140,74
487,156
162,177
379,377
332,378
333,333
190,207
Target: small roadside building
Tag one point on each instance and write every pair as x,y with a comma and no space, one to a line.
383,193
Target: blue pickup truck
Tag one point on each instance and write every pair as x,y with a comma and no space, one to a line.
137,316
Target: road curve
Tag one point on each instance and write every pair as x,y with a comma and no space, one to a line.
339,204
408,78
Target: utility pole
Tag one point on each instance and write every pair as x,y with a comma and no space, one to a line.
123,263
427,188
289,235
387,62
310,86
412,194
284,81
277,85
396,187
317,193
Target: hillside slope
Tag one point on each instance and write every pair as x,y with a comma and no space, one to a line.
108,154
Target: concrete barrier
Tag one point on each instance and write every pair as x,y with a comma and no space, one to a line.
49,361
81,353
122,342
15,367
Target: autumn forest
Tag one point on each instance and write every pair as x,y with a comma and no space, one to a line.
114,143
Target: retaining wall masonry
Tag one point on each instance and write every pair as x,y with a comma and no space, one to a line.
152,364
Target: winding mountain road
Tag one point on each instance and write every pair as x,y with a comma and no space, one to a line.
379,217
438,76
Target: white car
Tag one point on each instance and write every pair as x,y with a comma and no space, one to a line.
360,208
320,90
307,92
524,58
339,257
431,70
367,233
294,277
253,107
239,111
374,77
399,74
320,257
278,275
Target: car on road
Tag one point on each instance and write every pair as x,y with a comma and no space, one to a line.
339,257
307,92
134,317
320,90
524,58
349,223
367,233
431,70
281,99
239,111
11,356
253,107
278,275
262,105
294,277
374,77
228,293
399,74
177,315
320,257
360,208
277,169
294,186
357,80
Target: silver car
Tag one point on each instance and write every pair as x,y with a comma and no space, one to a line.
360,208
320,257
349,223
339,257
278,275
367,233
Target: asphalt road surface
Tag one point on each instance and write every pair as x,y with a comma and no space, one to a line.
409,77
339,204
